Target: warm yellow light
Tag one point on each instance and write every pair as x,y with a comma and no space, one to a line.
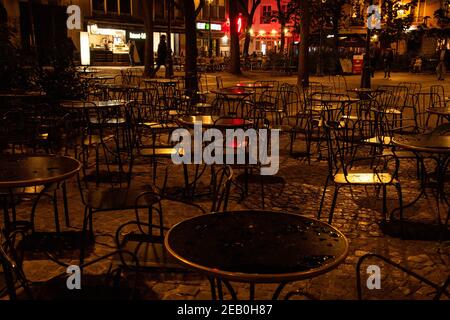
251,31
84,49
262,32
274,31
286,30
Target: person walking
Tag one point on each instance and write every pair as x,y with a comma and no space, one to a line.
131,48
388,58
441,70
162,55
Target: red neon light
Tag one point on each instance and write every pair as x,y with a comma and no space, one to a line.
239,24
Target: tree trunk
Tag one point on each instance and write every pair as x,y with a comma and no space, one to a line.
234,38
191,47
303,73
282,36
247,37
336,44
149,62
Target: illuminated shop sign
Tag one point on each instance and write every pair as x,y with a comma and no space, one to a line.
205,26
137,35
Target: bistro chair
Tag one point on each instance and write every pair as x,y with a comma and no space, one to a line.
341,160
109,187
297,119
146,239
113,284
422,102
339,83
441,290
221,183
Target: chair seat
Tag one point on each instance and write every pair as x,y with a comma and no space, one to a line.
404,154
284,127
203,105
109,121
96,139
160,126
160,152
118,199
364,178
392,111
384,140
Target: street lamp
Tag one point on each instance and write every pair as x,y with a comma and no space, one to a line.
209,28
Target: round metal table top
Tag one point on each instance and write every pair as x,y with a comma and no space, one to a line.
92,104
80,70
21,94
257,246
117,86
32,170
442,111
95,77
211,121
325,98
162,80
252,85
233,91
430,143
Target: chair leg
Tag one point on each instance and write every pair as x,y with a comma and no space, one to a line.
323,198
333,204
66,206
384,201
400,202
56,212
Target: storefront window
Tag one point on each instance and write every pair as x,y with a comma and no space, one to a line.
107,39
98,5
125,6
266,14
111,6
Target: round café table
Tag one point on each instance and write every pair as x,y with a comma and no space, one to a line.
92,104
437,145
253,85
364,93
440,111
256,247
232,100
233,92
161,80
208,121
20,171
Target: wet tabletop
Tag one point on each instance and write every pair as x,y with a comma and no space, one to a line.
257,246
234,91
93,104
161,80
26,170
21,94
326,98
253,85
432,143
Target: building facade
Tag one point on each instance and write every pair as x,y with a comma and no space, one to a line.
110,24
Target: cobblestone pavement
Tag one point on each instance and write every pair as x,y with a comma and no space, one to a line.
358,215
